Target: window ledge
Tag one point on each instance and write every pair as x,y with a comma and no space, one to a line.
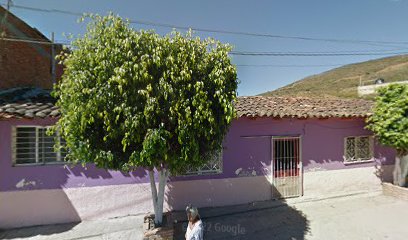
200,174
56,163
37,164
358,162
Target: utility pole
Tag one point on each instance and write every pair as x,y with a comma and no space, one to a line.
8,5
53,75
4,20
3,30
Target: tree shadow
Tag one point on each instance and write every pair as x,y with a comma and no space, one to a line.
28,208
89,171
383,171
37,231
268,219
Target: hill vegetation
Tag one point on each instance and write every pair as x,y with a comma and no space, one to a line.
342,82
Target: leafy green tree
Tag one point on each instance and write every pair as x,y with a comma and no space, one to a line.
132,99
389,123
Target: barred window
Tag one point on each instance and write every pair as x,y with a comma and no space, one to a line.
357,149
214,166
32,145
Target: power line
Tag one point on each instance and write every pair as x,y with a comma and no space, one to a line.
239,53
264,35
299,54
30,41
313,54
264,54
288,66
47,10
240,65
333,52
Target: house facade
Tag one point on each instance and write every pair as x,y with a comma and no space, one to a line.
277,147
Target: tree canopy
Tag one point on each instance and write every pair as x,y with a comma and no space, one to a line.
137,99
389,121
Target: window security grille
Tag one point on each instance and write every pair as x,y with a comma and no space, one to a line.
286,156
286,167
358,149
32,145
213,166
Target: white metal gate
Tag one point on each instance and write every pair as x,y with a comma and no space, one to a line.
287,177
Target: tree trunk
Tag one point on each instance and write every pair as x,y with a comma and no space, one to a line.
401,170
158,194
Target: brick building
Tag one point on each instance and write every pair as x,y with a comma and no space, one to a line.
23,63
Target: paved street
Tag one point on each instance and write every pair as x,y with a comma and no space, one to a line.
355,217
113,229
369,217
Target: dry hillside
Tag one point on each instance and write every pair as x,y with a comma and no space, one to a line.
343,81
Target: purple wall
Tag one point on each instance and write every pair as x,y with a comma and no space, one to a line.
56,175
322,143
322,148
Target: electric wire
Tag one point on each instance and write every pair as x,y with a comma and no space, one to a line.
314,54
237,53
281,54
289,65
264,35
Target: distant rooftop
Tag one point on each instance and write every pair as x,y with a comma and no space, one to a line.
370,89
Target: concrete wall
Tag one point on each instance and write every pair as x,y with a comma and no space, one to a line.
32,195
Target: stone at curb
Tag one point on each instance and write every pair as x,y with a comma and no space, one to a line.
395,191
162,233
165,233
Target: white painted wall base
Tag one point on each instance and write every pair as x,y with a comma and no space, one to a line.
218,192
322,184
40,207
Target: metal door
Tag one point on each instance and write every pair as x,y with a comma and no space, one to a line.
287,177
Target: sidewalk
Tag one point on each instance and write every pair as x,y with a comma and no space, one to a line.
129,227
355,216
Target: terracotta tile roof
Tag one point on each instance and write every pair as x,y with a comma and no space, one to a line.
28,110
282,107
278,107
27,102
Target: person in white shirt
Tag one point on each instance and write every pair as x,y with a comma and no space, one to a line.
195,230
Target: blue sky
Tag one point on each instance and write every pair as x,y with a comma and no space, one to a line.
375,20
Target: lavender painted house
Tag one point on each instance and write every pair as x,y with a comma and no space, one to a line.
278,147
